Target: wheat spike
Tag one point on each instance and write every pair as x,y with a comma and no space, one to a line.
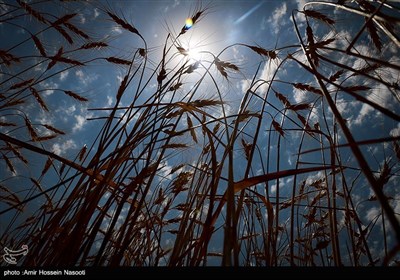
318,16
49,127
21,84
118,60
75,96
123,23
94,45
39,46
32,12
278,128
38,98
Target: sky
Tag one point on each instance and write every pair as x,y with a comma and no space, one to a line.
267,24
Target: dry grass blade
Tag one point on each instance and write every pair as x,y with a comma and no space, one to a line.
64,33
357,88
324,43
161,76
307,87
318,197
64,19
75,96
76,30
9,164
216,128
7,124
252,181
28,221
225,64
12,103
62,168
334,77
181,180
175,146
311,44
47,165
396,147
54,59
31,129
305,124
247,148
45,138
94,45
69,61
21,84
122,87
17,153
118,60
176,168
82,153
322,245
283,99
142,52
368,68
8,58
175,87
199,103
384,174
263,52
52,128
38,98
37,184
123,24
39,46
318,16
310,36
278,128
11,199
191,129
299,107
192,67
32,12
182,51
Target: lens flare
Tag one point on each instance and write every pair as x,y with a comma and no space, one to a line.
188,23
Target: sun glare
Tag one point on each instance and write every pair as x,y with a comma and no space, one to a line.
188,23
194,55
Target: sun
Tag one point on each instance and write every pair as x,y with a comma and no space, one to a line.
194,55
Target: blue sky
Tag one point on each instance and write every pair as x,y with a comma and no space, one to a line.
267,24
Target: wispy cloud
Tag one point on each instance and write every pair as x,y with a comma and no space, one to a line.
64,75
86,79
64,147
277,19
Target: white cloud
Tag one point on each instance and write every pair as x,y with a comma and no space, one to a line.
277,19
116,30
110,101
82,19
60,149
48,87
267,74
96,13
395,131
300,4
64,75
174,5
80,122
373,213
86,79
